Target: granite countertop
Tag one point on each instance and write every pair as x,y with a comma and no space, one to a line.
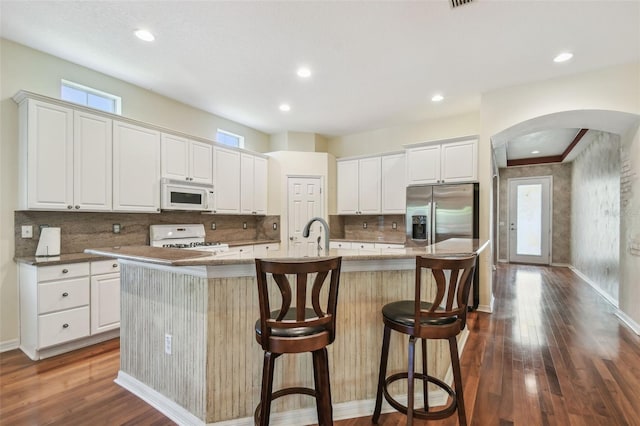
251,242
59,260
178,257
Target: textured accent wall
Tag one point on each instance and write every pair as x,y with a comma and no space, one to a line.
379,228
561,218
595,218
81,230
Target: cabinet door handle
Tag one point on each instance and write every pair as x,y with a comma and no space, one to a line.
65,294
77,207
65,325
115,265
64,271
69,207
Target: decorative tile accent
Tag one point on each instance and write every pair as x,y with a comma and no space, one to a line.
379,228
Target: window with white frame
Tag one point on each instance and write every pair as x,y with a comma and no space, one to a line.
90,97
228,138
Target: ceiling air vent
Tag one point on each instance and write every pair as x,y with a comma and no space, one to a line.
456,3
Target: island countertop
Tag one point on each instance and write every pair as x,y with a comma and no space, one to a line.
180,257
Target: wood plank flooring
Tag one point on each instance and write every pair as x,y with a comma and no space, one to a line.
552,353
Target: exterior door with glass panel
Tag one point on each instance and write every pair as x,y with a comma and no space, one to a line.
530,220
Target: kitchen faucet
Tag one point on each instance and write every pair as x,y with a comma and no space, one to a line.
307,228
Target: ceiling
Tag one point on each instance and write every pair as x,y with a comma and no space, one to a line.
374,64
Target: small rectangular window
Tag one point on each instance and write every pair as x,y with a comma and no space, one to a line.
228,138
92,98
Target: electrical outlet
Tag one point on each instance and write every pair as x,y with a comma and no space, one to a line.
394,225
244,225
364,225
27,231
275,226
167,344
213,226
116,228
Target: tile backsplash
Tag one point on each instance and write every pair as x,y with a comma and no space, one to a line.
378,228
82,230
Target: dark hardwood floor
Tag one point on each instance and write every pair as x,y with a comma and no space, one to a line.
552,353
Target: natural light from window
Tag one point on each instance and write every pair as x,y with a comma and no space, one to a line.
228,138
89,97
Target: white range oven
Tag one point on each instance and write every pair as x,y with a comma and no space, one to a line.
189,237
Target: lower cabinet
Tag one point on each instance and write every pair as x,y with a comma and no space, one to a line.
67,306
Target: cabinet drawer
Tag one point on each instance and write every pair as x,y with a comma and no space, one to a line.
60,272
389,246
363,246
59,295
339,245
63,326
104,267
263,250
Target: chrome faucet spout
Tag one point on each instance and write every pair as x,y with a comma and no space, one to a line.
307,229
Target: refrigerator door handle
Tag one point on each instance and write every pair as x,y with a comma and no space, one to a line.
433,222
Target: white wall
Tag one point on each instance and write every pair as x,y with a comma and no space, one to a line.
595,213
22,68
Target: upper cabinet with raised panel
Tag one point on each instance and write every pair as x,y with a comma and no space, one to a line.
136,168
253,184
186,160
226,167
443,162
393,184
359,187
65,158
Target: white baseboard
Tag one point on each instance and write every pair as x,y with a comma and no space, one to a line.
487,308
628,321
503,261
593,285
561,265
341,411
9,345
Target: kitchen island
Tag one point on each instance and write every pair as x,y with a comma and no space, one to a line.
188,342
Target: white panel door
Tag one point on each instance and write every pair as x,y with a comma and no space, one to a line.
393,184
136,168
304,203
530,220
347,186
459,161
201,162
175,157
227,182
49,156
423,165
105,302
369,185
92,152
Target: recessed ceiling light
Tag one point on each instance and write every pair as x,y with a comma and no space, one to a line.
437,98
535,152
304,72
285,107
563,57
144,35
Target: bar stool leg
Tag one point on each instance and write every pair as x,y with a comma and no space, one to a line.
410,379
267,387
425,382
384,357
457,380
323,387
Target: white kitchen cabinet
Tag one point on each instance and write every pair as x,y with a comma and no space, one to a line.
58,306
443,163
359,189
186,160
136,168
227,180
253,184
66,160
105,296
339,244
393,184
263,250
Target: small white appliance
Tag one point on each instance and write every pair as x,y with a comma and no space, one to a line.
189,237
49,242
178,195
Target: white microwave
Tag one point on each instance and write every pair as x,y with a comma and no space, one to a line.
178,195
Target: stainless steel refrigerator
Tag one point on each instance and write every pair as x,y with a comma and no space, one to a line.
438,212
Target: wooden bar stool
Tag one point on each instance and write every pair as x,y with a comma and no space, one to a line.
296,329
443,318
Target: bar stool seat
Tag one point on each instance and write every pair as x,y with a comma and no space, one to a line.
297,329
442,318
